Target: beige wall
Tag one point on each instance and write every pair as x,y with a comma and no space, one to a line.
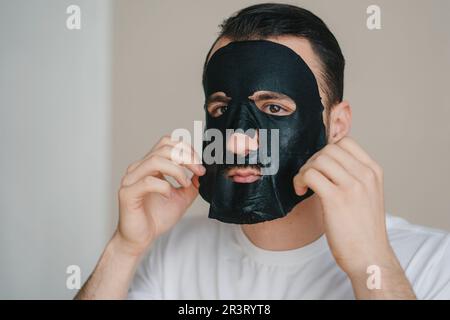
396,80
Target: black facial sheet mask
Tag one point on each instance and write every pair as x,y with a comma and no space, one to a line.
240,69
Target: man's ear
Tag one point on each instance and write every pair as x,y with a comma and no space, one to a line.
339,121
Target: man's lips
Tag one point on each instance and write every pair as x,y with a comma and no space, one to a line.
244,175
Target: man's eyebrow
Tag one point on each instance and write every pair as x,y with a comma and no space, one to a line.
217,98
268,96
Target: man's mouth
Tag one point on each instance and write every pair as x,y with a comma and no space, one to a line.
244,174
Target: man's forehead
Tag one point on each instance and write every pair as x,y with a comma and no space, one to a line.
299,45
241,68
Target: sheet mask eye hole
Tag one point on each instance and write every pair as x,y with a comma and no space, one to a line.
273,103
218,111
217,104
275,109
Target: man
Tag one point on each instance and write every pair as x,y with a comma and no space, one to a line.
335,244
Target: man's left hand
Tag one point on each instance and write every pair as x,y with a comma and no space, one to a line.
350,187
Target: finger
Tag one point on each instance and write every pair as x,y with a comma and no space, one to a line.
350,145
299,190
146,185
299,185
315,180
157,165
191,192
182,155
133,166
328,167
351,164
165,140
177,151
187,148
331,169
195,181
369,171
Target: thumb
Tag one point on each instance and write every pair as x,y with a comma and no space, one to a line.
299,186
191,192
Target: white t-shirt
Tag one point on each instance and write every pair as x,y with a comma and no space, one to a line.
201,258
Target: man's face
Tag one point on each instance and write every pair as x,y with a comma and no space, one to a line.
260,85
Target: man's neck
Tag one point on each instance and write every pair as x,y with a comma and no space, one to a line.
302,226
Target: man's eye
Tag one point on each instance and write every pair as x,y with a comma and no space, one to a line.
222,109
218,111
273,108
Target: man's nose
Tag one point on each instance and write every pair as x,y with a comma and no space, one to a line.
242,143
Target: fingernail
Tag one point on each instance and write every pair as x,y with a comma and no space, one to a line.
196,184
298,191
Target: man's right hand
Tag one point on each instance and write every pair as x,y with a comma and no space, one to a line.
149,205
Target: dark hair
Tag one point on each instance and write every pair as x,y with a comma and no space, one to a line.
273,19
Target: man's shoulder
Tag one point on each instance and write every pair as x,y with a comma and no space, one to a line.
411,240
424,254
400,229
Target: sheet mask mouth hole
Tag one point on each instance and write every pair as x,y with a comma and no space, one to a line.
244,174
